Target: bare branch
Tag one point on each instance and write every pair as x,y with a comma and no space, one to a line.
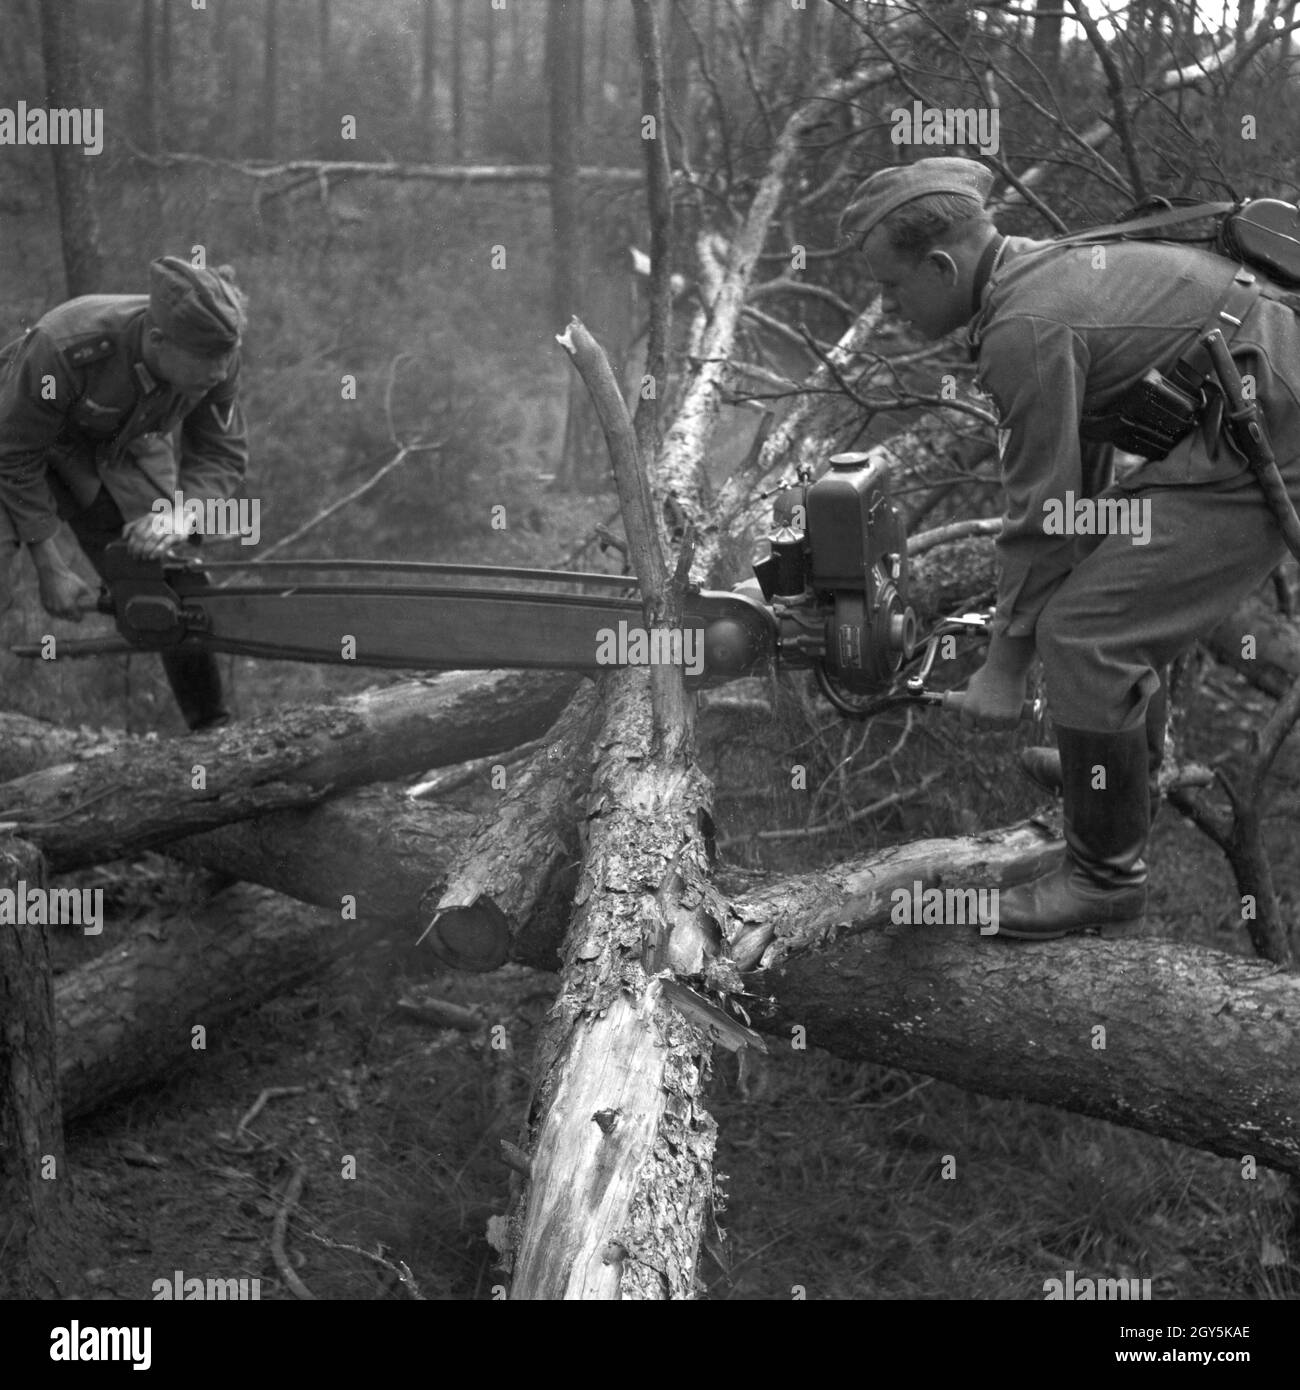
1115,87
435,173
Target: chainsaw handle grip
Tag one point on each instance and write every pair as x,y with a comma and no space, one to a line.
953,700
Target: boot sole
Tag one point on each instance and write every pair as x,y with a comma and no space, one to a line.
1127,926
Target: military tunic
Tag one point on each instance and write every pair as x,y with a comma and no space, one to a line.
1061,332
76,397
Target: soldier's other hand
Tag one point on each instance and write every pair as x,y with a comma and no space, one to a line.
65,594
994,699
151,537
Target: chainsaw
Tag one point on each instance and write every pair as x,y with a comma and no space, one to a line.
831,596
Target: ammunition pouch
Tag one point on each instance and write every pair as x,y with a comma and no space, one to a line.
1161,409
1148,419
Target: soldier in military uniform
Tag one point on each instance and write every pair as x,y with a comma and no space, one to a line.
90,399
1060,334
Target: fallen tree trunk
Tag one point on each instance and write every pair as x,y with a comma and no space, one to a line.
1004,1018
127,1018
620,1173
27,744
116,1023
373,852
764,918
1260,644
147,792
318,172
1178,1041
1199,1047
509,864
390,859
400,860
621,1160
36,1215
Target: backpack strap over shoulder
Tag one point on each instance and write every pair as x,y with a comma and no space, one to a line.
1152,222
1160,409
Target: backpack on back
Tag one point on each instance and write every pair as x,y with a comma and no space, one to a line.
1264,233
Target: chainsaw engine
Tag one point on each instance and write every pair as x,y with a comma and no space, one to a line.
836,579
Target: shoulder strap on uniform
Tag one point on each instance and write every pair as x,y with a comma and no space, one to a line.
1191,370
1188,374
1155,221
91,347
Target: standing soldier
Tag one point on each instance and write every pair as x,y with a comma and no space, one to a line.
90,399
1063,337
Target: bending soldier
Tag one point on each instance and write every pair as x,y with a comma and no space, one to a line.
1105,581
90,399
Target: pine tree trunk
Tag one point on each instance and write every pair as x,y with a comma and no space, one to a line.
270,77
458,80
428,111
74,178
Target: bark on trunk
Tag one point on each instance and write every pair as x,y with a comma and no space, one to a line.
579,462
1260,644
428,35
516,859
1196,1046
458,80
715,329
1004,1018
373,852
27,744
35,1191
270,77
394,856
437,173
129,1017
489,56
659,204
394,860
74,173
816,907
621,1166
148,792
1178,1041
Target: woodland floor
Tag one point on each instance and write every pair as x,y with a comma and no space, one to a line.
833,1167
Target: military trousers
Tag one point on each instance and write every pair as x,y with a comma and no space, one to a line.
1127,609
194,676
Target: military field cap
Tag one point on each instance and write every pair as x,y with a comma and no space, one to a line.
876,197
195,308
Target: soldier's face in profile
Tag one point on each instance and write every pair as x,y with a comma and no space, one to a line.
924,293
192,373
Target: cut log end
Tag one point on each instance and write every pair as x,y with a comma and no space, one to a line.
475,936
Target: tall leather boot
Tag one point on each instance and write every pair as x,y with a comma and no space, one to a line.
1043,765
195,679
1101,880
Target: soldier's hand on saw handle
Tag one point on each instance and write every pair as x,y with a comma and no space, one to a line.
956,702
64,593
995,698
152,536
